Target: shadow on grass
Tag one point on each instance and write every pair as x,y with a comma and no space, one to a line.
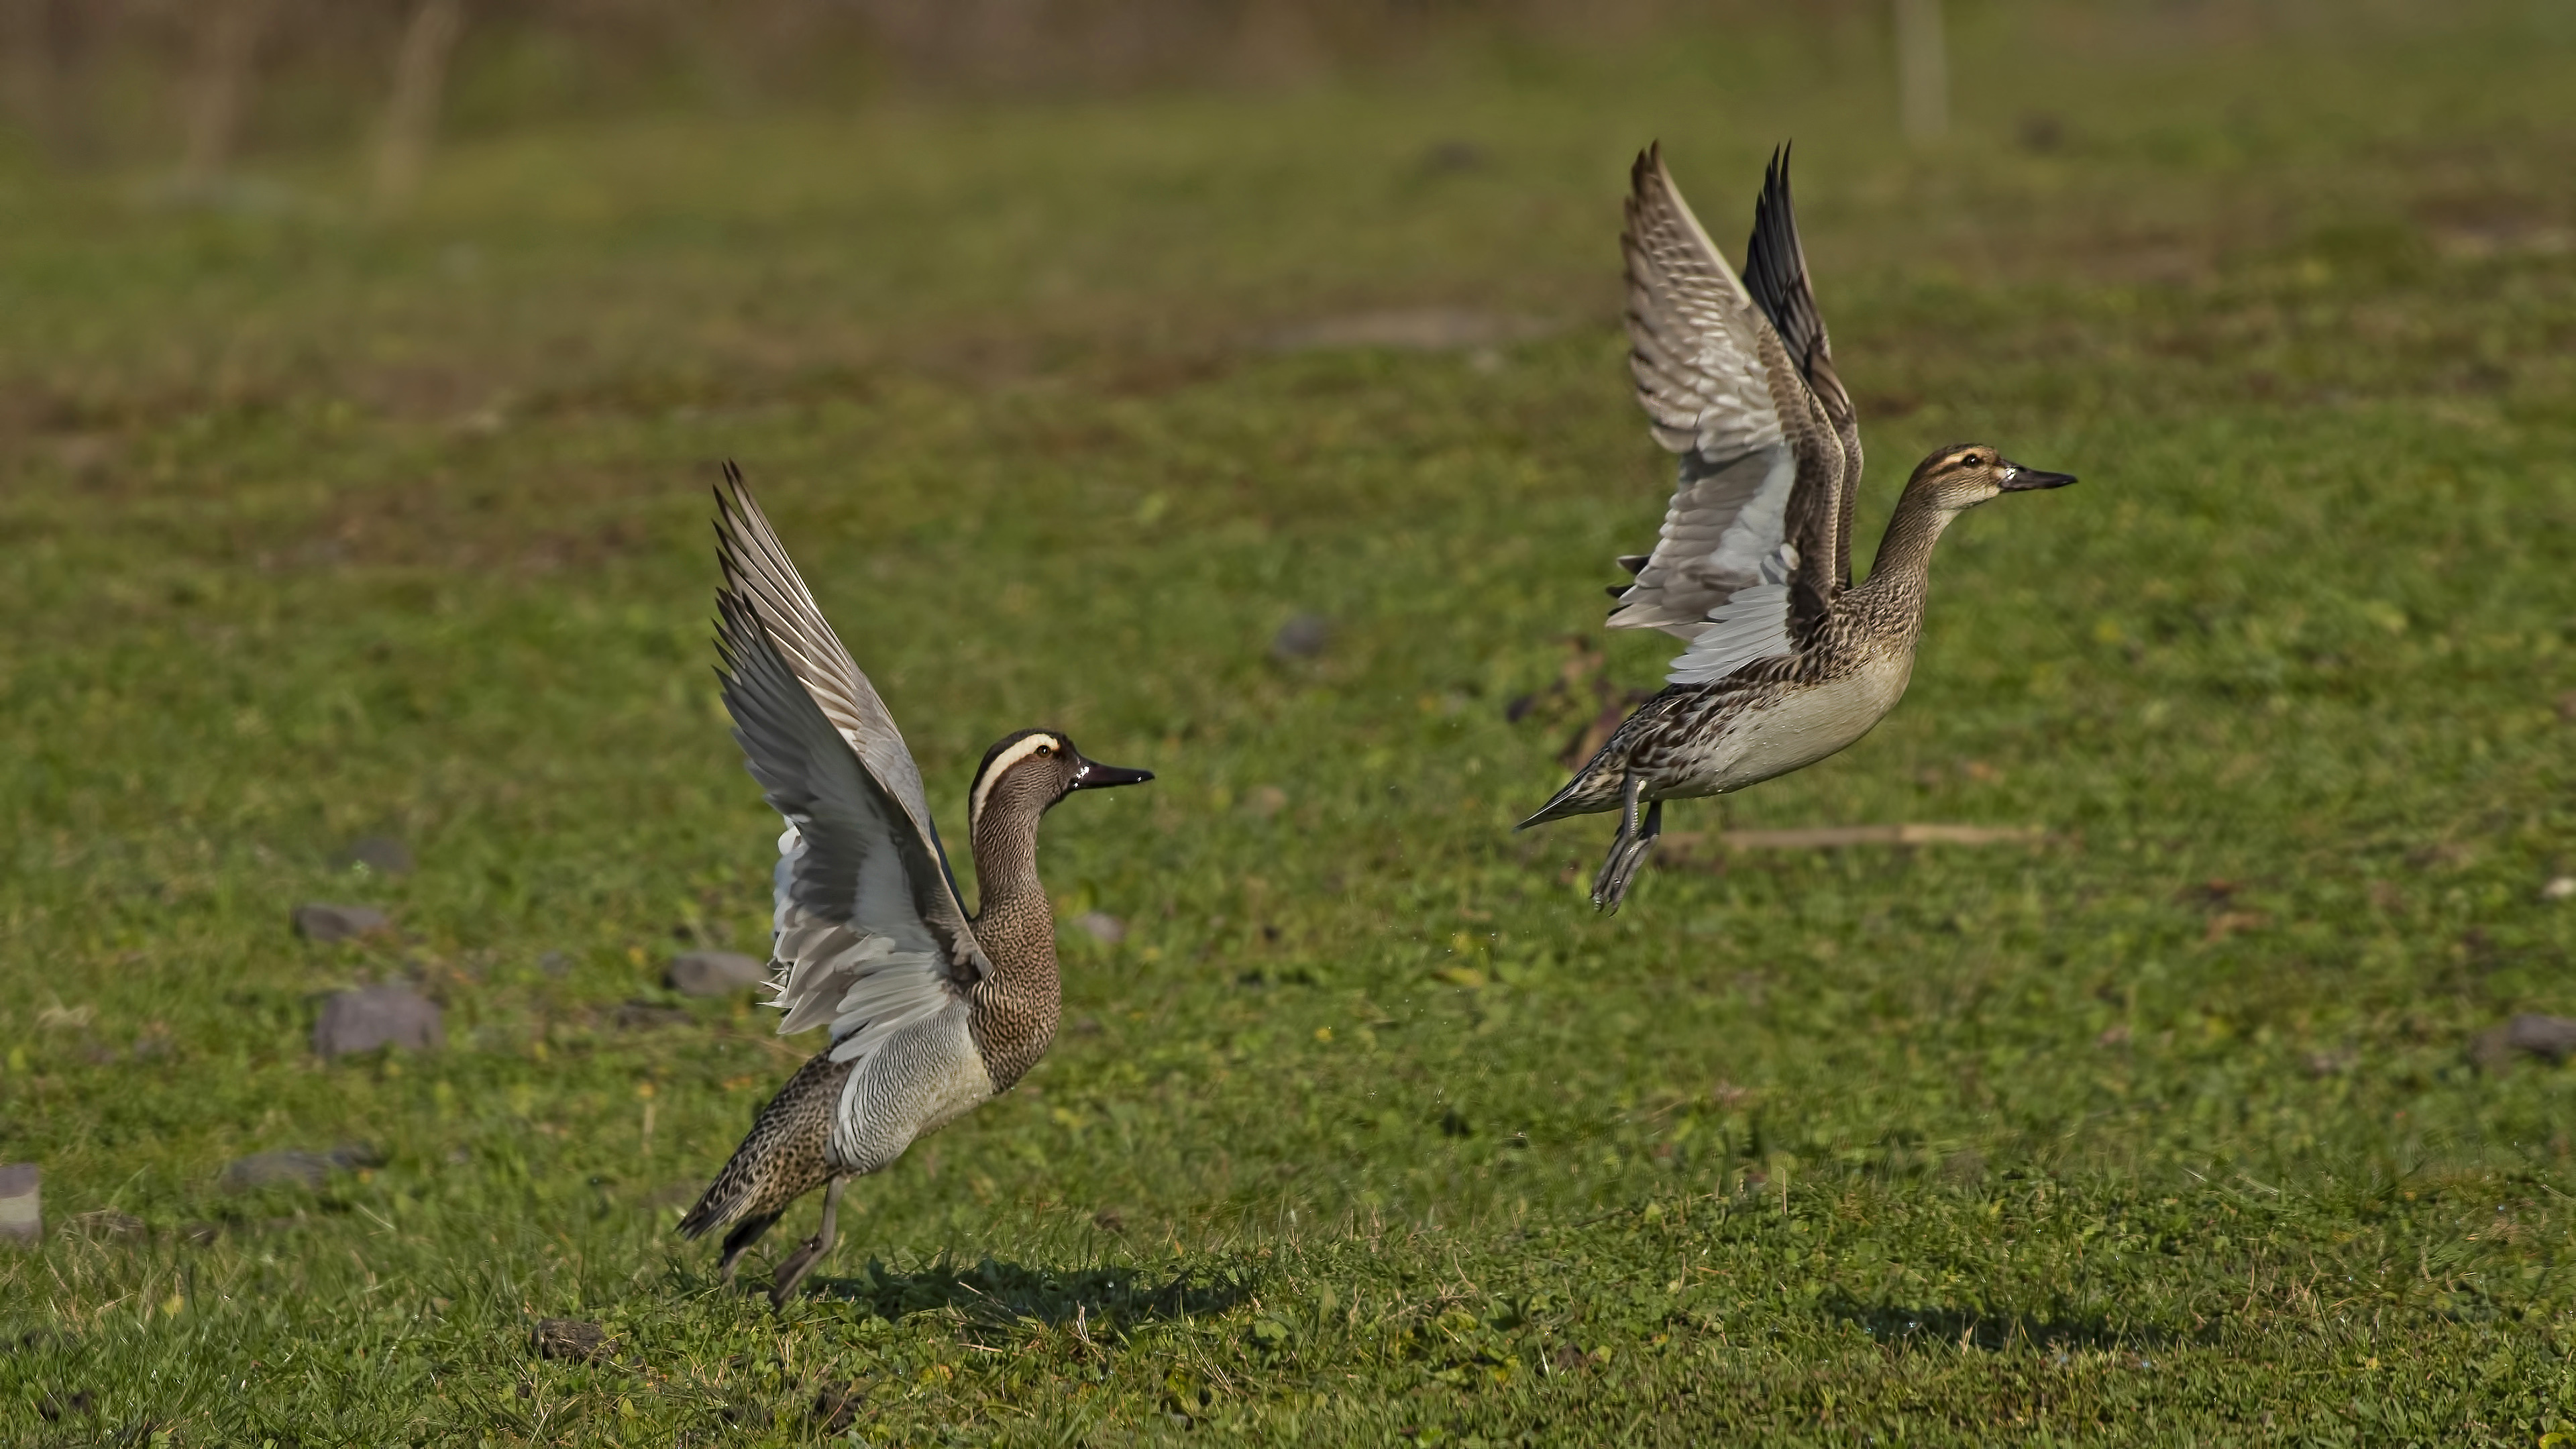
1912,1325
993,1291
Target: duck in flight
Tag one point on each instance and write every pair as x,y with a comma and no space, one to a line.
1789,661
932,1011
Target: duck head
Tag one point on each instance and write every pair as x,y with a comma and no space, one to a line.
1034,769
1963,475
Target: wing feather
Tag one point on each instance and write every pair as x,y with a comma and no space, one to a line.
869,936
1753,542
1775,274
758,571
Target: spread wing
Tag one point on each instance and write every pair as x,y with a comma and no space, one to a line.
1775,273
1751,551
870,932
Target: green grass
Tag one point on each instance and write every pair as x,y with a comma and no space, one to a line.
2162,1131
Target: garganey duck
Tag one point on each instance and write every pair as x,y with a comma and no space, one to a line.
933,1011
1788,660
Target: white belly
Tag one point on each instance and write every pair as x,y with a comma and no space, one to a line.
1800,728
924,1077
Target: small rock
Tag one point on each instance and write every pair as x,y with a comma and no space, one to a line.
713,973
1265,801
2559,888
644,1016
555,964
291,1167
1108,1220
570,1338
2041,132
2553,1037
54,1410
376,1016
1302,637
1103,927
315,921
838,1405
22,1203
1453,155
107,1225
379,853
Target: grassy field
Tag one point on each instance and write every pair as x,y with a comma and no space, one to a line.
2162,1130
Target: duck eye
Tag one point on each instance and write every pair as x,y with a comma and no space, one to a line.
1971,461
1045,750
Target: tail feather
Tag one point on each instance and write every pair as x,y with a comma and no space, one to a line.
785,1155
1596,786
1591,791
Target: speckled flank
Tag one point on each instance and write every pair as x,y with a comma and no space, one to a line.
786,1155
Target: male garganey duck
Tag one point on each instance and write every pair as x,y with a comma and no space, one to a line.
933,1011
1788,661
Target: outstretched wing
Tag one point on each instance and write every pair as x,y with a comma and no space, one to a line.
1775,273
1748,557
870,932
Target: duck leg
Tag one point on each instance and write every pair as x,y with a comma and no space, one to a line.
1637,834
792,1270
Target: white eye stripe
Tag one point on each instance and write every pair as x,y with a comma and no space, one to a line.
1002,766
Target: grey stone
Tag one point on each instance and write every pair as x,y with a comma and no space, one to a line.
375,1016
294,1168
1302,637
316,921
645,1016
713,973
1103,927
1454,155
22,1203
380,853
555,964
569,1338
2553,1037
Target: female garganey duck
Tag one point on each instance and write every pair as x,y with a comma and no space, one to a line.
1788,661
933,1011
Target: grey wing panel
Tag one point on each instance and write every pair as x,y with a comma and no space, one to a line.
860,860
1725,523
1700,353
856,946
763,580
